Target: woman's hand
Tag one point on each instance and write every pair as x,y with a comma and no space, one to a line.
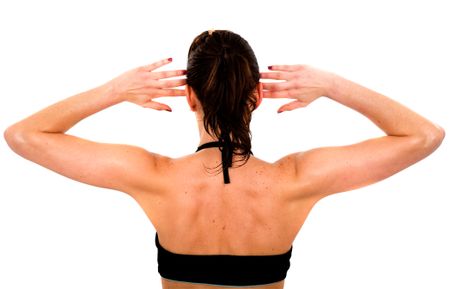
301,82
141,85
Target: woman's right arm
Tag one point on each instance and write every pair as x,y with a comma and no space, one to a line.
409,136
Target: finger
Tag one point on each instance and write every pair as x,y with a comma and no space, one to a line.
277,85
167,74
277,94
169,83
157,105
285,67
274,75
292,105
171,92
158,64
161,92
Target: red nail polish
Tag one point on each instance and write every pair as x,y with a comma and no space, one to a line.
270,67
170,59
169,109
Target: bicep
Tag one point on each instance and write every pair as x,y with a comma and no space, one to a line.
329,170
120,167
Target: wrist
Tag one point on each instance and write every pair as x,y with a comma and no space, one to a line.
336,87
109,90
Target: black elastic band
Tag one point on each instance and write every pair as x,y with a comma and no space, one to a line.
226,148
223,270
227,153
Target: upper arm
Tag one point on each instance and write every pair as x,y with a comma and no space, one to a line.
120,167
329,170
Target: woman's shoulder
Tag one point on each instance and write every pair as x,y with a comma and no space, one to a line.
279,175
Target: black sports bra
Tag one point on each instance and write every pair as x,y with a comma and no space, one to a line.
225,270
226,147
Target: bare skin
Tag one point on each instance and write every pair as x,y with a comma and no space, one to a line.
167,284
195,212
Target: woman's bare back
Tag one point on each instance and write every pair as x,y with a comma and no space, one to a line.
259,213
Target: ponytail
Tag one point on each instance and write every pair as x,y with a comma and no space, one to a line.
223,72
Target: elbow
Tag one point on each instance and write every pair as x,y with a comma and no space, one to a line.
9,135
15,138
432,138
437,136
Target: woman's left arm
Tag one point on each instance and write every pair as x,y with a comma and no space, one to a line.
41,137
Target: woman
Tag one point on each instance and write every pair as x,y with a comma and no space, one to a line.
222,201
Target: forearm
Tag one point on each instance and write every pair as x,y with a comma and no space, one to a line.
390,116
139,85
61,116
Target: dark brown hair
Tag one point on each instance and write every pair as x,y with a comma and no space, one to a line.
223,72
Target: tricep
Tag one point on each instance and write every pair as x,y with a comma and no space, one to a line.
329,170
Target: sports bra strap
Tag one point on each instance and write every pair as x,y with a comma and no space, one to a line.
226,147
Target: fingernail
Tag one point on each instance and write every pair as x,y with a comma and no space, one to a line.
184,71
169,109
270,67
169,59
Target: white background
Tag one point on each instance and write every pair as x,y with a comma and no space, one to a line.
58,233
